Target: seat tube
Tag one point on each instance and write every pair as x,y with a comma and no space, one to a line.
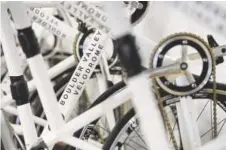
138,83
30,46
18,85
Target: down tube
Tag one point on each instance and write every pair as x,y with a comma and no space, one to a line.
82,73
87,117
52,24
147,109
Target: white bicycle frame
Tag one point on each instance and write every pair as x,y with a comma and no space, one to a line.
96,112
56,127
69,62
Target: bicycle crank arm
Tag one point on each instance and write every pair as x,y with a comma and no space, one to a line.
167,70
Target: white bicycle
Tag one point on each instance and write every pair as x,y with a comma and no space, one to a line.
59,130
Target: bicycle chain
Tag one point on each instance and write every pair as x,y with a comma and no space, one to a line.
214,96
164,114
158,96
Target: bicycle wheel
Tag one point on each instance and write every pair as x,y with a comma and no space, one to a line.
88,131
94,131
127,136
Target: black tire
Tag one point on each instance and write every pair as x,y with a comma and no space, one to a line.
118,127
131,115
86,132
82,133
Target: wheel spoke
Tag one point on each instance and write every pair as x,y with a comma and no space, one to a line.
173,130
212,127
138,144
139,136
202,110
130,146
221,127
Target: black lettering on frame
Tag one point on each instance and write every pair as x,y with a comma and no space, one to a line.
98,32
90,65
65,96
34,18
75,92
42,14
97,52
71,85
58,32
80,68
94,59
68,90
85,59
53,29
37,11
79,87
87,70
88,54
97,14
62,2
91,10
77,74
62,102
91,49
44,24
85,16
96,38
74,79
84,6
94,44
81,82
100,46
84,76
